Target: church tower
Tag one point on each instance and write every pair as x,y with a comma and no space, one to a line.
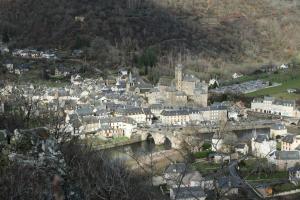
129,82
178,77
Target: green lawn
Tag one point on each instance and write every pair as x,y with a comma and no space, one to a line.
205,167
284,187
246,170
274,175
202,154
288,78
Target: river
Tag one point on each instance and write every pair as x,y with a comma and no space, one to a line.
147,147
138,149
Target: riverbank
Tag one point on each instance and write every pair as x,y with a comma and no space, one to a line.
156,161
99,145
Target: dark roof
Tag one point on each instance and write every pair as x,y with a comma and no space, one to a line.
176,168
278,126
227,182
90,120
294,169
288,138
109,120
287,155
261,137
214,107
131,111
174,112
189,192
3,135
84,111
240,146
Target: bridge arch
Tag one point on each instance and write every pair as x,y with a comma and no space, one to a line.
167,143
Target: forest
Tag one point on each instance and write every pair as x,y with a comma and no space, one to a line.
206,35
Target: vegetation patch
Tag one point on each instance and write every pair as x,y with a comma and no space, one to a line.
206,167
202,154
284,187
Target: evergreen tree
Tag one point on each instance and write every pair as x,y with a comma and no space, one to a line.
5,37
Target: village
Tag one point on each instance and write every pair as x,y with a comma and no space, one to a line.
237,150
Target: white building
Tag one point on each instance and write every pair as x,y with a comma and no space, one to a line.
174,117
278,130
127,124
187,193
217,142
270,105
290,142
237,75
283,160
140,115
262,146
283,66
242,148
294,175
213,82
211,113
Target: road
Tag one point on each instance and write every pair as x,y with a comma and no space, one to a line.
233,173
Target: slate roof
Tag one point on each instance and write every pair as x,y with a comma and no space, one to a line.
90,120
156,106
189,192
276,101
261,137
84,111
109,120
3,135
174,112
240,146
131,111
176,168
288,138
294,169
214,107
278,126
227,182
192,176
287,155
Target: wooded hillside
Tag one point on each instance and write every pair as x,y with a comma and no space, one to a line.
148,32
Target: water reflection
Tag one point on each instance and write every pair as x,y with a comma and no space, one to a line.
139,149
147,147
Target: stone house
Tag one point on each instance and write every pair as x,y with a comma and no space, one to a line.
174,117
283,160
294,175
270,105
127,124
278,130
290,142
242,148
174,172
187,193
261,145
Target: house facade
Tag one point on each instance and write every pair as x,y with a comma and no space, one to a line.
174,117
283,160
278,130
261,145
290,142
270,105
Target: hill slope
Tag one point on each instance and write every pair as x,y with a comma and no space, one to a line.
219,32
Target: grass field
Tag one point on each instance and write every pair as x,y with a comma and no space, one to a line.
288,79
206,167
280,91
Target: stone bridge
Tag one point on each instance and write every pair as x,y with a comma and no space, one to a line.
161,137
176,135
